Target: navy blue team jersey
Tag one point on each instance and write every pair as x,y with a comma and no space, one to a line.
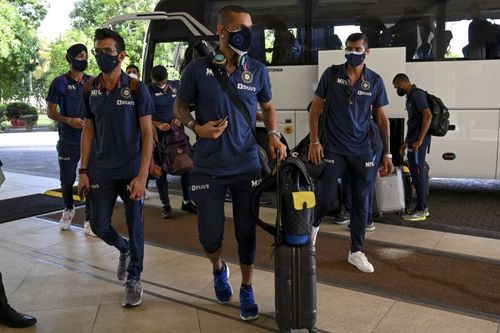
117,144
67,93
416,102
348,125
163,101
234,152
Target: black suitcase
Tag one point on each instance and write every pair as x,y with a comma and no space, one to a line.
294,271
295,287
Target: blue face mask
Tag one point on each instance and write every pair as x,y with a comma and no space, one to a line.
240,40
355,58
107,63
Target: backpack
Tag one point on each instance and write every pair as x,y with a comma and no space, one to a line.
175,152
440,116
295,199
301,150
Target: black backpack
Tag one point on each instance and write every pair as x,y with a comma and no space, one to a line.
295,201
440,116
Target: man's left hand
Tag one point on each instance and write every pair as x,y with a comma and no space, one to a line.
137,188
276,144
387,165
175,122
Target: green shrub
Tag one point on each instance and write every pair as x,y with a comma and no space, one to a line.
19,110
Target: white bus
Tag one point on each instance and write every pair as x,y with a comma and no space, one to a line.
450,48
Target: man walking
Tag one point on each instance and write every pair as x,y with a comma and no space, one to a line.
417,141
66,93
226,155
118,129
354,142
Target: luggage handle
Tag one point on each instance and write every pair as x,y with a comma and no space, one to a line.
278,199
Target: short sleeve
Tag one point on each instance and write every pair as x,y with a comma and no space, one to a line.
265,94
419,98
188,88
380,99
144,101
52,95
322,88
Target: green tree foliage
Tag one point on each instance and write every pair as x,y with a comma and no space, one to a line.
18,45
91,14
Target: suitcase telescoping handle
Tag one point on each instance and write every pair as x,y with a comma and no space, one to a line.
279,230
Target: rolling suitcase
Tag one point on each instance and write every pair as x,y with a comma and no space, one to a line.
390,192
294,265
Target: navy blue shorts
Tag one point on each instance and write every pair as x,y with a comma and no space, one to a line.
208,193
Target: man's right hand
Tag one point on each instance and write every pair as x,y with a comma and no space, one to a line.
83,184
212,129
402,149
316,153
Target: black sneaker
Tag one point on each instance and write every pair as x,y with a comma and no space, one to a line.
166,212
188,206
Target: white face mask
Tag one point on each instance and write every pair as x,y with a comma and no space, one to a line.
134,76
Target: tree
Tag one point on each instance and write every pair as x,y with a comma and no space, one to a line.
91,14
18,45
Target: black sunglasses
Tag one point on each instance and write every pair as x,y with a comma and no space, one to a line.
349,93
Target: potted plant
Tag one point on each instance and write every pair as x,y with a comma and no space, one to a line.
22,115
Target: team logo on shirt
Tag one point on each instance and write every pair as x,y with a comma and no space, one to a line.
158,94
96,92
71,87
125,92
209,72
247,76
365,85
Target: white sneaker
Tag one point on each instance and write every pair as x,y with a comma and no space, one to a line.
66,218
87,230
314,234
147,195
359,260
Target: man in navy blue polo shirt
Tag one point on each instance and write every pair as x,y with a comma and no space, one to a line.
66,92
163,93
354,142
417,141
118,131
226,155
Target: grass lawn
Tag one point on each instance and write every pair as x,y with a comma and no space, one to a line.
43,120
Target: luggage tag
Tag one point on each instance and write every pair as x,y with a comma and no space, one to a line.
303,200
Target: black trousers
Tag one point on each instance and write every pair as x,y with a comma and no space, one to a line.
3,297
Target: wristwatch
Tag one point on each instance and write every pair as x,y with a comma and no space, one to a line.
274,132
388,156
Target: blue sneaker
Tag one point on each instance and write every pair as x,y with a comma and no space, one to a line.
222,286
249,310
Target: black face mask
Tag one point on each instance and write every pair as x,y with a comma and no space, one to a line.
240,40
107,63
79,65
400,92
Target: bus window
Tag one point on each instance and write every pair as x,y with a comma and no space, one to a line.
292,32
170,55
475,28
